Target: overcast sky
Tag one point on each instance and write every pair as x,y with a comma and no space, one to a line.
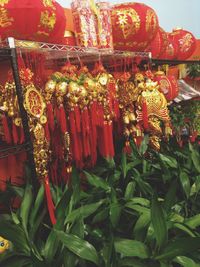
171,13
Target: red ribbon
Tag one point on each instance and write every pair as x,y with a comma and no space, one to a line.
6,129
50,204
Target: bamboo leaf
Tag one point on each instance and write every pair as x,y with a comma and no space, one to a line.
158,222
195,157
185,182
129,190
115,213
185,261
170,197
193,222
179,247
131,248
80,247
37,205
144,145
169,161
15,234
141,226
26,205
97,181
84,211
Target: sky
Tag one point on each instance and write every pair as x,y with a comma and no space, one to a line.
171,13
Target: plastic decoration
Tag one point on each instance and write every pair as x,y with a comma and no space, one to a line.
38,20
134,26
185,41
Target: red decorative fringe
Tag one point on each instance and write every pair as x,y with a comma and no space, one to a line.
77,119
22,137
145,115
15,133
63,121
50,204
50,116
6,129
47,133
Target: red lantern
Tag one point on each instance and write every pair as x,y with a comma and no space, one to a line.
134,26
168,85
159,43
185,42
171,49
38,20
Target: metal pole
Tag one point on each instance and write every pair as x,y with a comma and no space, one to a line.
24,116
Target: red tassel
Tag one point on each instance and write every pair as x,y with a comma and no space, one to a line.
63,121
145,115
72,122
77,119
50,116
22,137
15,133
50,204
47,133
110,140
6,129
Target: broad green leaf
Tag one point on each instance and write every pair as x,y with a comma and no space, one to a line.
131,248
39,200
107,252
16,261
184,228
15,218
26,205
84,211
19,191
185,261
185,182
115,213
124,165
144,145
101,216
170,161
193,222
170,197
130,189
51,246
195,157
197,183
179,247
141,201
137,208
15,234
158,222
97,181
80,247
141,225
131,262
69,258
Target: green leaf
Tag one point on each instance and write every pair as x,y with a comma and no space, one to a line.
141,226
170,197
170,161
101,216
195,157
37,205
115,213
185,182
26,205
137,208
179,247
15,234
80,247
144,145
193,222
84,211
158,222
51,246
130,189
124,164
131,262
185,261
131,248
69,258
97,181
184,228
16,261
141,201
15,218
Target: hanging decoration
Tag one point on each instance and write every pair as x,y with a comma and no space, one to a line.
185,41
134,26
168,85
38,20
158,44
171,49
